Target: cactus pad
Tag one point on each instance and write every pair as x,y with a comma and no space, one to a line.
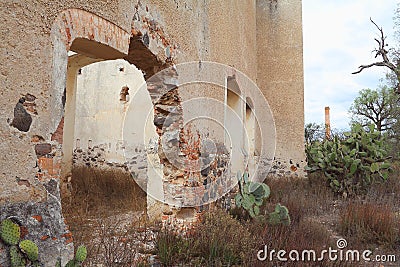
81,253
279,216
30,249
72,263
16,258
10,232
58,263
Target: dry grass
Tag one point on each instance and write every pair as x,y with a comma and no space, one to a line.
370,223
319,218
219,240
303,197
105,207
104,190
304,235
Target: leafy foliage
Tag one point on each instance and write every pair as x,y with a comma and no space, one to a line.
279,216
380,107
314,132
351,164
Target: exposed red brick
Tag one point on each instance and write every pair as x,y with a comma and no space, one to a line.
67,235
38,218
23,232
45,164
58,134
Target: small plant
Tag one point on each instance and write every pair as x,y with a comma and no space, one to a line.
80,257
351,164
25,252
171,247
279,216
251,195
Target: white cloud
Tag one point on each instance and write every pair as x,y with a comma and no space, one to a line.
338,37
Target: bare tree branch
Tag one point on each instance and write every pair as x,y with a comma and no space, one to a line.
379,64
382,52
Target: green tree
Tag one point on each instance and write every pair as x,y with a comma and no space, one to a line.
380,107
314,132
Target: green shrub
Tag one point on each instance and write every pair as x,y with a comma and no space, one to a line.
353,163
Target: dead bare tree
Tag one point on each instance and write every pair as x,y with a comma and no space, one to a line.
383,52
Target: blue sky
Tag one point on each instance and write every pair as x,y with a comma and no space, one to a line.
338,37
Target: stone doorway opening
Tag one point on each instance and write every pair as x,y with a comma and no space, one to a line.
89,120
94,173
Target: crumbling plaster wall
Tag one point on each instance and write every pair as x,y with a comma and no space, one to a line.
210,31
27,62
26,53
203,30
100,112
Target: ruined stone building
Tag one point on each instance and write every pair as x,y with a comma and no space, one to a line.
183,94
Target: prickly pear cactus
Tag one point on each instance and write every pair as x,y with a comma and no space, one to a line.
16,258
21,252
251,195
58,263
10,232
279,216
30,249
81,253
73,263
353,163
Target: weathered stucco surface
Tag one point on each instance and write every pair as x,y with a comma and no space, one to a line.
262,39
280,77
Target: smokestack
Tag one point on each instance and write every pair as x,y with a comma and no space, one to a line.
327,123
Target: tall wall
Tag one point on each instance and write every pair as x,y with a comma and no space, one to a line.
280,77
100,111
262,39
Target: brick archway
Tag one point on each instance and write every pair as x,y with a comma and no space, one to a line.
95,39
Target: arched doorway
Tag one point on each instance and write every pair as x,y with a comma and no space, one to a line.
234,140
81,40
